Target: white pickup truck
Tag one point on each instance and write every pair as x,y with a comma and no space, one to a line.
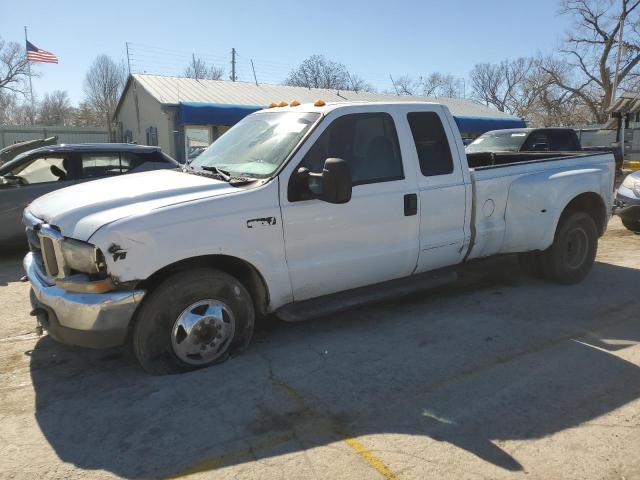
299,210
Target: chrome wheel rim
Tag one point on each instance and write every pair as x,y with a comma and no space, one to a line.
576,248
203,331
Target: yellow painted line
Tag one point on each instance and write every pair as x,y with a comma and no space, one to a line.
239,456
370,458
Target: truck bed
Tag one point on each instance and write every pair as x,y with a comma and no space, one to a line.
515,197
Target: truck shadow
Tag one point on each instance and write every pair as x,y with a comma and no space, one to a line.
493,358
11,261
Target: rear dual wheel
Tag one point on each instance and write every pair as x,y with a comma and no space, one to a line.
571,255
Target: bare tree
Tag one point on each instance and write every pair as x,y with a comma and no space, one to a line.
14,109
511,86
14,68
86,116
439,84
103,85
589,51
199,69
405,85
319,72
359,84
433,85
55,109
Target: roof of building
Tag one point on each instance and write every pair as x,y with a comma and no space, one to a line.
177,90
626,103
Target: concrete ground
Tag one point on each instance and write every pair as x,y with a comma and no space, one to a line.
497,376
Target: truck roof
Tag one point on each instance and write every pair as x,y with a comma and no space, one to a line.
330,106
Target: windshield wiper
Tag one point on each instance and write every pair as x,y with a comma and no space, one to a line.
221,173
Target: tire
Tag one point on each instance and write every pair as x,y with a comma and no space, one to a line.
193,319
531,264
634,226
570,258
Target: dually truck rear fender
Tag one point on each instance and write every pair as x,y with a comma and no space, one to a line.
246,225
536,202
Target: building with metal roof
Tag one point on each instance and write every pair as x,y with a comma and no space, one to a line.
184,115
625,120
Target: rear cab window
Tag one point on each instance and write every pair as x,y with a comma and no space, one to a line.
432,145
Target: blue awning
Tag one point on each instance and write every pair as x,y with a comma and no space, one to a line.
480,125
194,113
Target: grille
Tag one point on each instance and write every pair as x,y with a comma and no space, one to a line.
49,256
44,243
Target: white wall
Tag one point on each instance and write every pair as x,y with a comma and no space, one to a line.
149,113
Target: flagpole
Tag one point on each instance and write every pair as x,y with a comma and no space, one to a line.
33,104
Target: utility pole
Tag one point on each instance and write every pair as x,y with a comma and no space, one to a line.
128,60
614,87
233,64
394,85
33,103
254,73
623,17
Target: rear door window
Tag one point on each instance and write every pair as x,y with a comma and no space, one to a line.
432,146
96,165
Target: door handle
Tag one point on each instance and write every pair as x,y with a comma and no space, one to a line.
410,204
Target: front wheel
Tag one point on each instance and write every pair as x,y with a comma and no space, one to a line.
193,319
571,256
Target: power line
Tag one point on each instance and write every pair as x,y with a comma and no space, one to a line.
143,58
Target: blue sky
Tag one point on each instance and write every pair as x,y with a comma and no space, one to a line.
372,38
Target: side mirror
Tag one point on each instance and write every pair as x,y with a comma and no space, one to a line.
333,185
336,181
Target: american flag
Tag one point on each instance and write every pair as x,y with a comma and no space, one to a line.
34,54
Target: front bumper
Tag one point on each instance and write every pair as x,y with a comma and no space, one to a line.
627,208
95,320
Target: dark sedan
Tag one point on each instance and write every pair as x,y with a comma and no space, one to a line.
36,172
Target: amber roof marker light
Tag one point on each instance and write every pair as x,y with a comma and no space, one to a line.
272,105
319,103
283,104
294,103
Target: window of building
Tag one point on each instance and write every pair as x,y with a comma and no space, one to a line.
152,136
196,140
367,142
432,146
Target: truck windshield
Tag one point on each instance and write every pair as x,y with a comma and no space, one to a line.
257,145
507,141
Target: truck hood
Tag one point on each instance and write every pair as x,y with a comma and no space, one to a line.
82,209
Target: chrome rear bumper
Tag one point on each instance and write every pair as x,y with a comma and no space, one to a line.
85,319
